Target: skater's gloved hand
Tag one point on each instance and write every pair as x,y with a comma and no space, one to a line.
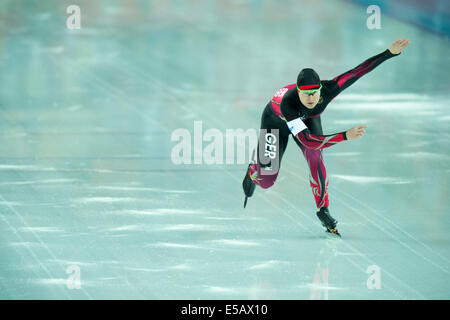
356,132
398,46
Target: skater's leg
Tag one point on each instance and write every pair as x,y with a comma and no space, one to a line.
267,169
318,176
273,140
318,173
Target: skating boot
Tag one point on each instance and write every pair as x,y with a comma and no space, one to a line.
328,221
248,185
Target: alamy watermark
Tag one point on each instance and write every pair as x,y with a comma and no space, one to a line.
74,280
373,21
234,146
74,20
374,280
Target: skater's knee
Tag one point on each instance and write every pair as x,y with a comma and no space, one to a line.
266,185
311,154
267,182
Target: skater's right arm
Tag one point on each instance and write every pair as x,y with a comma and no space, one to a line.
313,141
301,132
318,142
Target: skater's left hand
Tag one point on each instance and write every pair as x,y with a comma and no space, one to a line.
397,46
356,132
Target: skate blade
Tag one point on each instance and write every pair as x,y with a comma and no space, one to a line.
334,233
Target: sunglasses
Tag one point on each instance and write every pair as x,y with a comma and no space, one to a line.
311,92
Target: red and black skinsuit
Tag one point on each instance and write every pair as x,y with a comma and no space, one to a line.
286,114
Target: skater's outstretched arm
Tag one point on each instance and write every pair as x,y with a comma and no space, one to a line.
346,79
317,142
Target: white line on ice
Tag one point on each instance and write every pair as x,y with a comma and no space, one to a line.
268,264
183,266
365,179
126,228
407,108
74,108
143,269
104,200
445,118
180,211
232,242
137,212
62,282
401,97
175,245
24,167
17,167
422,155
144,189
26,244
51,281
73,263
191,227
54,50
225,290
233,219
350,122
9,203
342,154
41,229
38,182
417,133
15,204
160,212
319,286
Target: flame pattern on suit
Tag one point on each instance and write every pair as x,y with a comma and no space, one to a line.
318,178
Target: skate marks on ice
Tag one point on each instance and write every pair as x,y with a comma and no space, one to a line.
29,246
363,259
400,235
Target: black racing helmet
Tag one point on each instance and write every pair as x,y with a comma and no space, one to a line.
308,79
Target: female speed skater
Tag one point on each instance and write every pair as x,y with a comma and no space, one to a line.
295,110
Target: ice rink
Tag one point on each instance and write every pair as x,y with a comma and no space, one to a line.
92,205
